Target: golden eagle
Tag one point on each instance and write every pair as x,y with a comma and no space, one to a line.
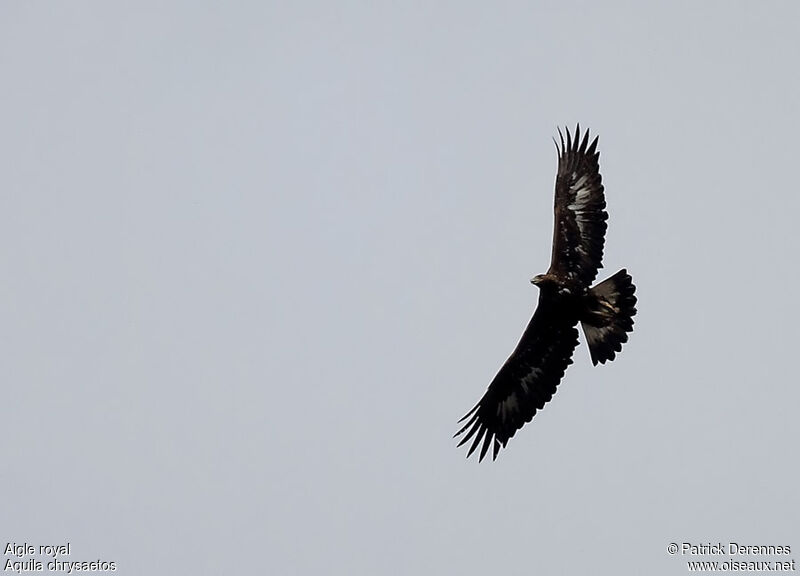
528,379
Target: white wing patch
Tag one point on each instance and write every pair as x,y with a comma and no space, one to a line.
578,187
510,406
583,195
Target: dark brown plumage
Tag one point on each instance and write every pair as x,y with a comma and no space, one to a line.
528,379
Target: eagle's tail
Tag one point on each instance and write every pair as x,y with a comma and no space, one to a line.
608,316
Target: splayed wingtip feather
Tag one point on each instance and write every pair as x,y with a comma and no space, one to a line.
478,438
486,443
467,425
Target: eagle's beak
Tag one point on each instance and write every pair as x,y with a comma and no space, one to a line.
535,280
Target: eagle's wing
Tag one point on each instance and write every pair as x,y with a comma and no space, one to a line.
580,216
525,383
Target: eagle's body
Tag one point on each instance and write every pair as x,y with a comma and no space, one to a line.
531,374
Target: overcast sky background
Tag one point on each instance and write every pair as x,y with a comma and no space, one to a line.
256,260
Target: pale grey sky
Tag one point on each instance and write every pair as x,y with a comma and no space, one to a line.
257,259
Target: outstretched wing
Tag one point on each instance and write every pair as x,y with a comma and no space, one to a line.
525,383
580,216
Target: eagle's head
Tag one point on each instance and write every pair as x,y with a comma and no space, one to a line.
542,280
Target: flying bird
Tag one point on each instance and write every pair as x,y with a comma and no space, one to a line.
528,379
